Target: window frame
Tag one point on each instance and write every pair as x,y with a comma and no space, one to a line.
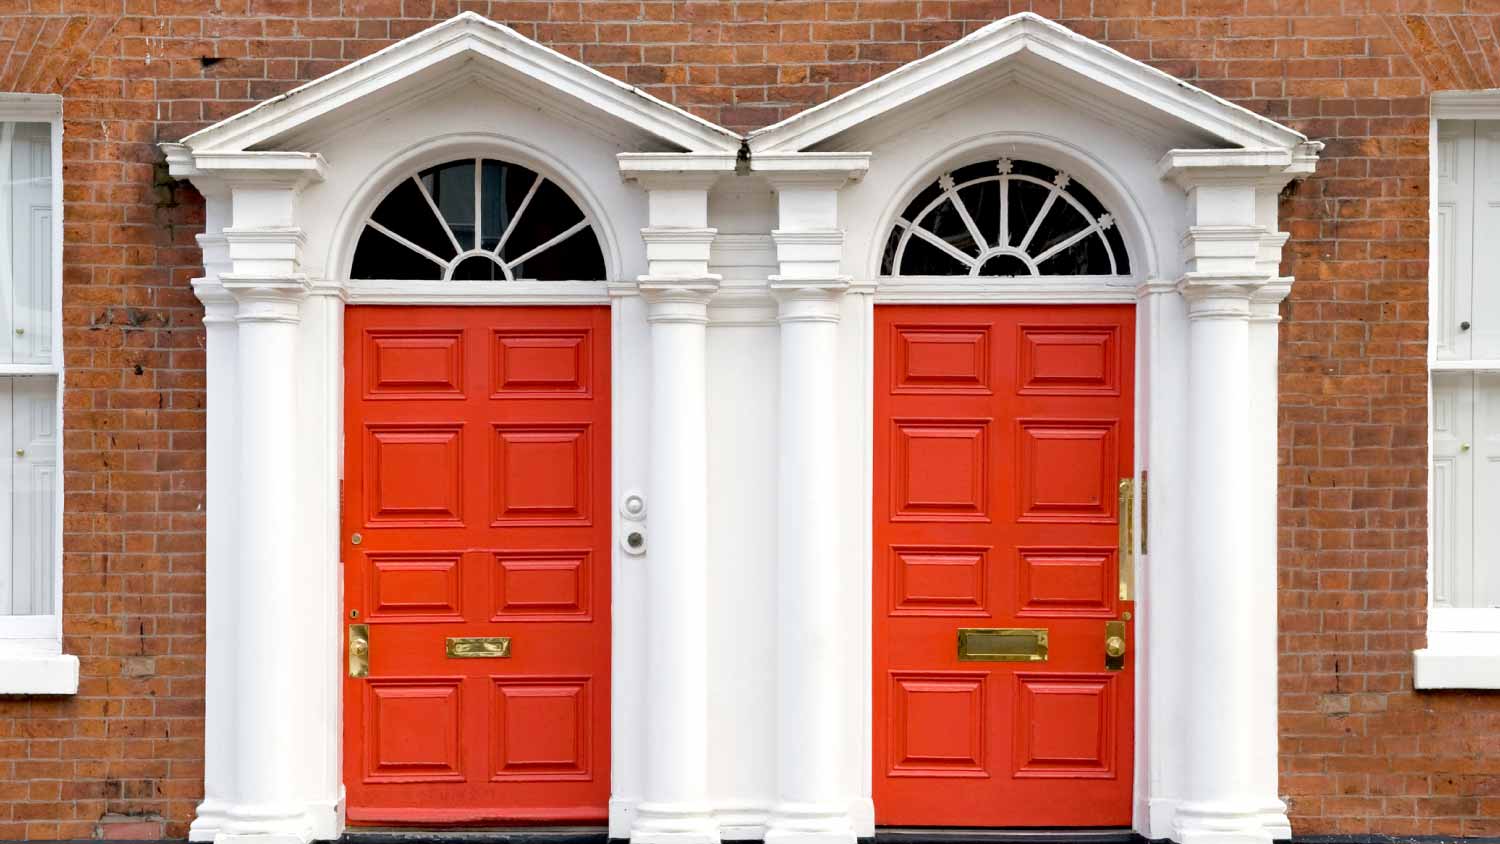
1463,643
31,656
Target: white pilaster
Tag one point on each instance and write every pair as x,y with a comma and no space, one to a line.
262,791
1230,252
675,808
220,610
813,797
1265,316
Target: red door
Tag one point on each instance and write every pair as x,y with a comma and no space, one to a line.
1001,435
477,560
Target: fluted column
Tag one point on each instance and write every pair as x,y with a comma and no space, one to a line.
675,808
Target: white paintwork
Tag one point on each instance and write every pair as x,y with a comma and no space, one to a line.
742,298
1463,623
31,367
812,787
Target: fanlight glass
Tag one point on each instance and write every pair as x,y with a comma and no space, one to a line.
1005,218
478,219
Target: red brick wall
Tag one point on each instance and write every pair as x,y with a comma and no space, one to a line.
1361,751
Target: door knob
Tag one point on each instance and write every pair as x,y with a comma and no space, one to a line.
359,650
1114,645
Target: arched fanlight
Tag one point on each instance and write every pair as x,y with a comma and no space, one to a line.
1005,218
478,219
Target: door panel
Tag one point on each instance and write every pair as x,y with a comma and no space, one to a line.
1001,435
477,478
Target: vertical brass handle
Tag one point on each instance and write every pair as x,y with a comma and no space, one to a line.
359,650
1126,561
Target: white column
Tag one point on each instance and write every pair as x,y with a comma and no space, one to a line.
268,751
221,364
675,808
811,637
1223,803
812,708
1230,253
262,653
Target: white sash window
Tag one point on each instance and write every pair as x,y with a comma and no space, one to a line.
31,659
1464,362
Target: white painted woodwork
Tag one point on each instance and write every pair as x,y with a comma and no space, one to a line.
1463,623
31,387
811,806
742,297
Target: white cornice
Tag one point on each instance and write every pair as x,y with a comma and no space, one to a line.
830,170
1466,105
466,37
1005,41
38,108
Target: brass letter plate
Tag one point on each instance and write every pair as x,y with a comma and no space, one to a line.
987,644
478,647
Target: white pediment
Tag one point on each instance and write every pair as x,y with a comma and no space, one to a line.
465,47
1028,49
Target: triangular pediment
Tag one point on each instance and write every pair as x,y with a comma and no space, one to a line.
466,47
1028,49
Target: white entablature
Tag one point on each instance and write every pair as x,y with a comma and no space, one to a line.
750,266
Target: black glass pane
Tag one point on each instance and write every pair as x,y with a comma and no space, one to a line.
922,258
452,188
1062,222
1005,265
550,213
888,258
576,259
406,213
478,268
377,256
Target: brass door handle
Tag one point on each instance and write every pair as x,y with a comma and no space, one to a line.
1114,645
359,650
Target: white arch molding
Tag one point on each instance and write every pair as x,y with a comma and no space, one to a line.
1191,181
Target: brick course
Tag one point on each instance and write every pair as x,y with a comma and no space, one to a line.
1360,750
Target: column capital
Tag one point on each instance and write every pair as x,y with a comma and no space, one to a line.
808,300
677,300
267,299
219,305
1218,296
1265,300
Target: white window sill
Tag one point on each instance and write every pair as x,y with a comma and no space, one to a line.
38,674
1463,650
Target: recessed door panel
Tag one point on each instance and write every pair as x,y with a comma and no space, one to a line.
1001,435
473,562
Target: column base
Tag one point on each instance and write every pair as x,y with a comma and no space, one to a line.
1220,823
1274,819
208,820
674,823
265,824
810,823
